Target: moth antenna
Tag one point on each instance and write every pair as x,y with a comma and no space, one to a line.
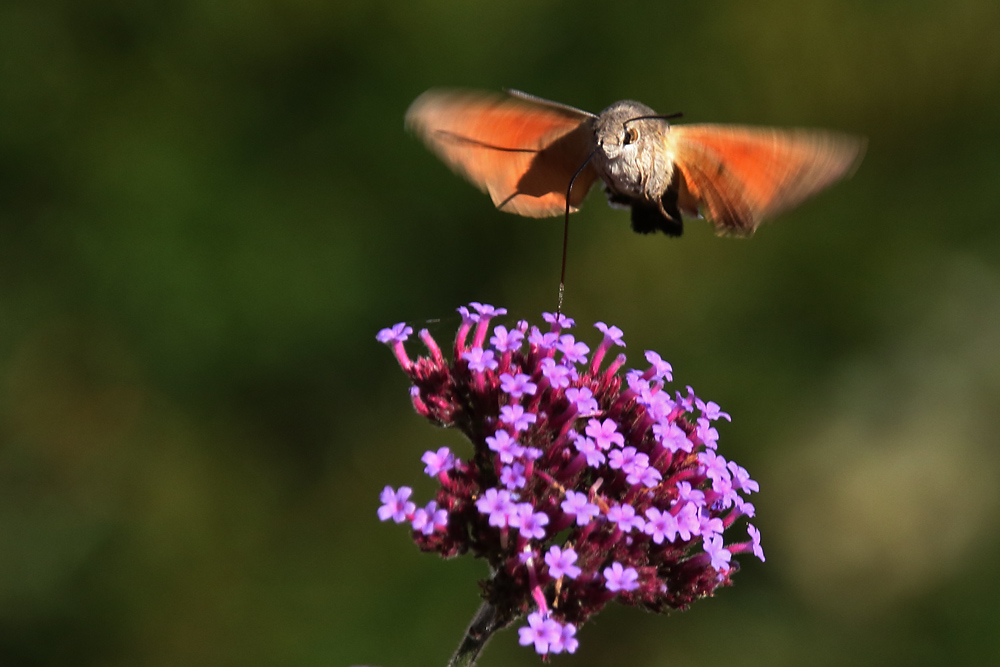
668,116
562,272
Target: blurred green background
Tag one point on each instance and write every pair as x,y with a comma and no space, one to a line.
208,209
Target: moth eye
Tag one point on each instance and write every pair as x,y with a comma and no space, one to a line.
631,136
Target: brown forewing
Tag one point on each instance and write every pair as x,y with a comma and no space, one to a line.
740,176
522,151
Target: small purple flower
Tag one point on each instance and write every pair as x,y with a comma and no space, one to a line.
687,402
711,410
660,525
584,400
506,341
467,316
512,476
504,445
625,517
557,374
618,578
635,470
719,554
741,478
517,417
559,321
398,333
758,551
422,521
660,406
531,523
709,525
573,352
715,466
395,337
687,494
578,505
517,385
630,462
588,448
661,369
486,310
567,640
540,631
531,453
560,562
395,504
650,477
497,503
640,385
745,508
613,334
437,462
430,518
726,495
688,521
605,433
616,457
480,360
673,437
705,432
544,341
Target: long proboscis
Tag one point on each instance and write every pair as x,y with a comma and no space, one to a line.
562,271
569,192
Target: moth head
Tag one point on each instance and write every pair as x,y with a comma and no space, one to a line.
625,128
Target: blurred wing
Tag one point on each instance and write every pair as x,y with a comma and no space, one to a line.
740,176
522,150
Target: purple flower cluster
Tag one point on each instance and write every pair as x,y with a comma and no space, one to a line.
583,485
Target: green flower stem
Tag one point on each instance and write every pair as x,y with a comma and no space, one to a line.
484,624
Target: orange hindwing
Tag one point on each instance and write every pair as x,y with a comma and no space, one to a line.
740,176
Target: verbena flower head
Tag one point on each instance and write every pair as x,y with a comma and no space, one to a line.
582,485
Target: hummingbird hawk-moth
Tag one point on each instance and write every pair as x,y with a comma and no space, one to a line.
538,158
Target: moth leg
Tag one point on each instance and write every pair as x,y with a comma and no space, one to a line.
617,200
648,217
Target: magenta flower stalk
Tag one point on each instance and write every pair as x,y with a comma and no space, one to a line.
582,486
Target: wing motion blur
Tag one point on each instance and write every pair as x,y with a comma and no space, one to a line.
740,176
520,149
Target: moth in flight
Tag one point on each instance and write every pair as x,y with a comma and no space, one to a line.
538,158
